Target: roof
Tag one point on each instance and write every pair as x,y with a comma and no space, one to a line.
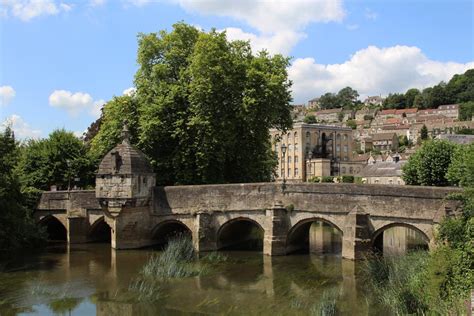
383,136
388,112
329,111
124,159
401,111
393,120
382,169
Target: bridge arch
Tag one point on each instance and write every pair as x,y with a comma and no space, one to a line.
240,233
398,238
314,234
167,229
100,231
55,228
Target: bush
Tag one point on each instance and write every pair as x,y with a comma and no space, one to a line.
347,179
327,179
358,180
314,179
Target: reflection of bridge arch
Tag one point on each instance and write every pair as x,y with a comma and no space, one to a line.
167,229
399,241
240,233
306,235
55,228
99,231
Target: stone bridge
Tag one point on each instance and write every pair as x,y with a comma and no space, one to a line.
218,215
130,211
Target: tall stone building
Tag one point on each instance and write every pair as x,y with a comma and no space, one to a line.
314,150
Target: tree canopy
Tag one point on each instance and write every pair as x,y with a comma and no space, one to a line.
429,164
203,107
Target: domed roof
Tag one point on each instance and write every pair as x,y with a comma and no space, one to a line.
124,159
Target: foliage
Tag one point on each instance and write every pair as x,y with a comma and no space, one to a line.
429,164
310,119
461,169
351,123
326,305
358,180
56,160
394,101
368,117
327,179
466,111
347,179
314,179
17,227
465,131
424,132
346,98
203,107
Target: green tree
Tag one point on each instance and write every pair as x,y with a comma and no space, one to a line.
351,123
461,169
329,101
310,119
17,227
203,107
410,96
466,111
424,132
429,164
347,97
56,160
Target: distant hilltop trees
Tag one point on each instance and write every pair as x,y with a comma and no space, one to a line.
459,90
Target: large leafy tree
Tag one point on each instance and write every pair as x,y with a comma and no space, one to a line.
429,164
17,227
203,107
56,160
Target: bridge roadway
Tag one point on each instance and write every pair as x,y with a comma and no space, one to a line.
219,215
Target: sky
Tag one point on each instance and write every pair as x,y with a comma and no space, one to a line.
61,60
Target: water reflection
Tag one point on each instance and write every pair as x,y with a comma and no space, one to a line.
399,240
96,277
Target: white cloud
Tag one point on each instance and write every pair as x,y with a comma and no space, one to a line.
270,16
21,128
7,93
280,42
279,23
138,3
371,15
129,92
97,3
75,103
352,27
371,71
26,10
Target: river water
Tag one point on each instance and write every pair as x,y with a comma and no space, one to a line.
93,279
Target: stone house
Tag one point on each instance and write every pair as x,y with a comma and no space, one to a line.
329,115
387,172
363,113
374,100
449,110
385,142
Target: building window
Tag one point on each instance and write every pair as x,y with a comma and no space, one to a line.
345,158
282,172
308,135
289,159
345,137
296,172
343,170
345,148
296,147
290,147
296,135
351,170
289,172
338,148
338,137
296,159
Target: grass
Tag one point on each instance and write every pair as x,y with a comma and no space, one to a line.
326,306
178,260
403,284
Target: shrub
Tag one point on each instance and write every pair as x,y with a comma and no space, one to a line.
314,179
347,179
358,180
327,179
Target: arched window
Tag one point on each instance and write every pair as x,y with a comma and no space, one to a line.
344,137
308,135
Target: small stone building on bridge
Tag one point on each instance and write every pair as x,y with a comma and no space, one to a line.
129,210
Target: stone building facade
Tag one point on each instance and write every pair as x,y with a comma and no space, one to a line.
313,150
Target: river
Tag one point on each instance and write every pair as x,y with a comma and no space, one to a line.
93,279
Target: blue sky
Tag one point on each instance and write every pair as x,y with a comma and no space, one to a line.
61,60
